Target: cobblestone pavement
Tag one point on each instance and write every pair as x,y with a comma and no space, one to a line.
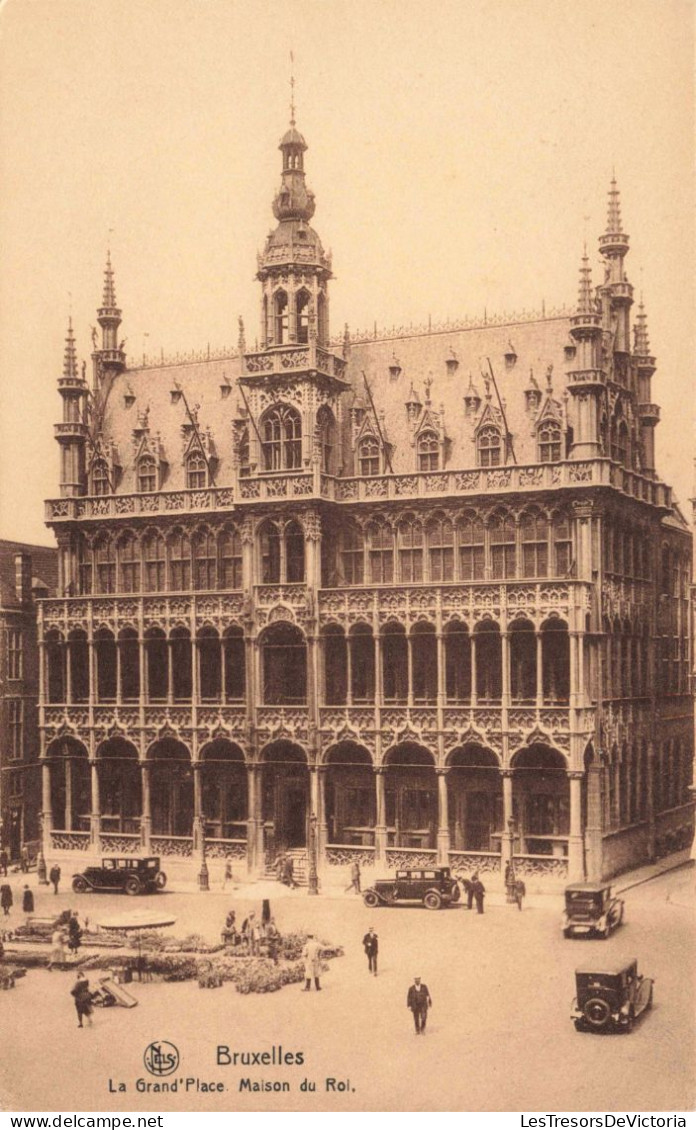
499,1035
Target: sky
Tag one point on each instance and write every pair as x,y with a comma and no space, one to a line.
460,154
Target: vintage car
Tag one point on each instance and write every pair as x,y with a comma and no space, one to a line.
592,910
612,999
134,876
433,886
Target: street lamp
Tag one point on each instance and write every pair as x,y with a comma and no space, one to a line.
510,870
40,860
313,878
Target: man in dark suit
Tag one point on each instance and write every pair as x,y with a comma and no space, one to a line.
418,1000
371,947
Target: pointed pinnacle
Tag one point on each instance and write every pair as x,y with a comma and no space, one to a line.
614,212
641,344
70,355
109,296
585,289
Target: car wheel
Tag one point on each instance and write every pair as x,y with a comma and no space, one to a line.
79,884
432,900
597,1012
132,885
161,881
650,999
456,893
579,1026
370,898
630,1022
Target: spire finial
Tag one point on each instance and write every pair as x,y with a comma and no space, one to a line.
109,296
292,89
70,355
614,211
641,343
585,290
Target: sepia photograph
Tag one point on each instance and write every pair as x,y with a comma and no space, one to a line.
346,602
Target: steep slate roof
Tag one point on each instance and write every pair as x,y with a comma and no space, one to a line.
421,357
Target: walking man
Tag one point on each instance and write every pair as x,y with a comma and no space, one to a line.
478,891
354,884
418,1000
371,947
83,999
3,861
519,892
311,956
54,876
6,899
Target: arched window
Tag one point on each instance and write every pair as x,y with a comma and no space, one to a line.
234,661
424,674
410,533
562,545
204,560
327,438
503,557
105,655
623,444
106,565
440,549
395,663
352,554
209,665
549,438
368,456
472,558
180,646
129,560
428,452
523,662
156,665
84,565
282,439
55,666
78,658
100,478
457,662
129,664
294,553
280,317
302,309
555,651
179,562
270,554
155,562
535,552
243,454
381,553
362,663
284,666
196,471
322,329
147,474
335,665
488,444
230,546
489,662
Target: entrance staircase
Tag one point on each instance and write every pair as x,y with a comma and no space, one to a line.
300,866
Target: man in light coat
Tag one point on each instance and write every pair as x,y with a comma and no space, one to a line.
311,955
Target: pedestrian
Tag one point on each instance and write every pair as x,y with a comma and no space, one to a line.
83,999
57,954
74,936
54,876
27,900
289,872
24,859
311,955
265,912
519,892
478,891
419,1001
6,899
227,877
466,885
251,934
470,891
279,866
3,861
371,947
354,884
273,940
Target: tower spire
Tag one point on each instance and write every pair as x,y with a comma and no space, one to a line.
109,296
585,289
70,355
292,89
641,346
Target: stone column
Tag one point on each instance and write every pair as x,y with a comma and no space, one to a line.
46,811
198,837
381,821
576,863
443,835
441,671
146,817
322,826
67,767
507,842
252,789
95,813
539,671
593,823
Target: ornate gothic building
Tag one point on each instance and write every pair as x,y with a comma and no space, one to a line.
409,597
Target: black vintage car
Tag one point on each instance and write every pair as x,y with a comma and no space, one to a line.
610,999
434,887
134,876
591,909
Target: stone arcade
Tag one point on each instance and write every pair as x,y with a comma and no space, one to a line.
358,588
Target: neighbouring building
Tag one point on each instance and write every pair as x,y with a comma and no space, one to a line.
27,572
406,597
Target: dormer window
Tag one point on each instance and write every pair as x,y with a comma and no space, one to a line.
196,472
147,474
549,443
100,478
428,452
368,457
489,446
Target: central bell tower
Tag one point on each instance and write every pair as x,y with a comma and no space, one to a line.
294,269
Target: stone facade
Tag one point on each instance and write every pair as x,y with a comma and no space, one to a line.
361,594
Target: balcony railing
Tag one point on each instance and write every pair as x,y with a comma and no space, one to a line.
293,358
418,484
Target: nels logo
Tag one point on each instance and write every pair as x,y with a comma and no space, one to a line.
161,1058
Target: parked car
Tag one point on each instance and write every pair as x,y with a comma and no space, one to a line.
591,909
611,999
134,876
433,886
